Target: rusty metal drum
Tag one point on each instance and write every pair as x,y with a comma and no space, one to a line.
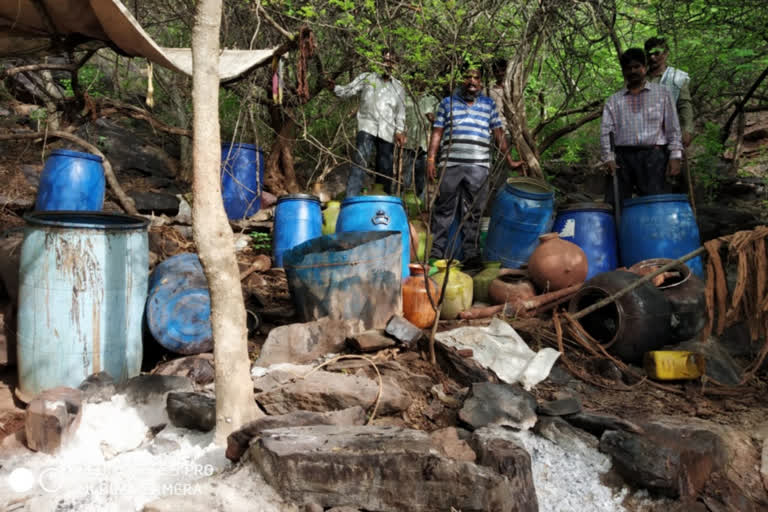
82,288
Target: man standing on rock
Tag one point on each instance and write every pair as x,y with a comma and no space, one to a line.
676,80
462,133
380,122
640,132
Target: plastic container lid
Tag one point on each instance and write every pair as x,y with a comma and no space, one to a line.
76,154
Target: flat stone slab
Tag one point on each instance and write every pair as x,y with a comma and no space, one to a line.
238,441
377,468
500,405
281,393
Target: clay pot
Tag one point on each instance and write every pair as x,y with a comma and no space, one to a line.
417,308
557,263
511,286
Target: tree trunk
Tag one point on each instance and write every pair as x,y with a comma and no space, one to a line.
235,404
280,176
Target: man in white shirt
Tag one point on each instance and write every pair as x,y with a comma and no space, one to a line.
380,122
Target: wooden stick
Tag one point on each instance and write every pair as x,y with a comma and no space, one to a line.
608,300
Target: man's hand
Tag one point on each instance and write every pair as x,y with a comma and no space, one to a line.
687,138
430,117
400,139
610,167
431,168
673,169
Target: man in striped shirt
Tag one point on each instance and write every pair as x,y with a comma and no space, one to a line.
642,121
462,132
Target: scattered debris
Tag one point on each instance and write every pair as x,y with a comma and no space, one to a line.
404,332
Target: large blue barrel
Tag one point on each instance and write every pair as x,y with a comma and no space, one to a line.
659,226
377,213
179,305
298,218
347,275
82,288
242,179
591,227
71,180
522,211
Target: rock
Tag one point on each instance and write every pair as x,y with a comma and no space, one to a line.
370,341
52,418
764,464
564,434
596,424
662,464
404,332
238,441
155,202
377,468
97,387
312,507
463,370
344,509
447,442
561,407
303,343
499,404
327,391
498,450
199,368
195,411
144,389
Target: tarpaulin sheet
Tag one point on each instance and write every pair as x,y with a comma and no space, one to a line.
33,26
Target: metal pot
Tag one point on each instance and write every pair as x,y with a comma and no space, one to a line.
635,323
685,293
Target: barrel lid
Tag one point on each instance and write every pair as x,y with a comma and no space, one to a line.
76,154
241,145
372,199
305,197
86,220
580,207
658,198
530,187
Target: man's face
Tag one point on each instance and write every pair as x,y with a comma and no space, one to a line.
471,84
657,58
389,62
634,72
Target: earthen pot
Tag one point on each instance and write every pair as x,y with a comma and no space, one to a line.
511,287
557,263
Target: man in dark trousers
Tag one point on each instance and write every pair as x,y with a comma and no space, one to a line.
462,133
642,121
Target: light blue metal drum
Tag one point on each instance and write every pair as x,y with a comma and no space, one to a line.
82,288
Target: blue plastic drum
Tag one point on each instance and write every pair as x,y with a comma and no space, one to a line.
522,211
298,218
82,289
591,227
71,180
377,213
178,308
659,226
242,179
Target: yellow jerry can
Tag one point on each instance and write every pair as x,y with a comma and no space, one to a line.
674,365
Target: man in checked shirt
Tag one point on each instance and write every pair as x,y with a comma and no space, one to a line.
642,121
